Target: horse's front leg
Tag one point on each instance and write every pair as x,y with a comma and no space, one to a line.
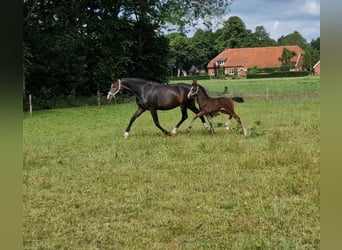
156,122
184,117
137,113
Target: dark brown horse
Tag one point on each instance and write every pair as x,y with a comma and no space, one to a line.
153,96
208,106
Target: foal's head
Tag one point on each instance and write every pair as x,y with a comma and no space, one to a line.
194,89
114,89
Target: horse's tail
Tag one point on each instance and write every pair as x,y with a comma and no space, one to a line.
238,99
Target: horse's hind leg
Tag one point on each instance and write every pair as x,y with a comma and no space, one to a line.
156,121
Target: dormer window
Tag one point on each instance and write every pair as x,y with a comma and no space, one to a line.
220,62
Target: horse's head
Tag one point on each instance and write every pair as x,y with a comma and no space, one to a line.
194,89
114,89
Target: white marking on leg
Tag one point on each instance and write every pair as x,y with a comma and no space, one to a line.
205,125
227,124
126,135
174,131
244,130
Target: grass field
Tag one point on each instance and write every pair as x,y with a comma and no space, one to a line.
86,187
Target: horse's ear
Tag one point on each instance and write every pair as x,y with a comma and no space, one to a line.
194,82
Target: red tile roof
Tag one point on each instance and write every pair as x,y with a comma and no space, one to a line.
262,57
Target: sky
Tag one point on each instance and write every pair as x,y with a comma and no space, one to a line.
279,17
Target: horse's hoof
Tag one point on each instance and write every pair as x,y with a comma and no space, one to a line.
174,131
126,135
167,133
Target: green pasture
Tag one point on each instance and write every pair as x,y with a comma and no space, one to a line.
86,187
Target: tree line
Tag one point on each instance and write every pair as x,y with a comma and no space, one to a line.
76,48
193,54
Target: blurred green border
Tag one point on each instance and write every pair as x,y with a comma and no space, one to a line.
331,121
11,125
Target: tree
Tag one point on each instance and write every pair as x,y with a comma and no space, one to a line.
316,44
188,13
53,36
286,57
202,44
80,46
312,55
294,38
262,38
233,34
181,51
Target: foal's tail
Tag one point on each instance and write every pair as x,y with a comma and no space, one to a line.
238,99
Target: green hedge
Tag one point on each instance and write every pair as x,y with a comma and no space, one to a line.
279,74
197,77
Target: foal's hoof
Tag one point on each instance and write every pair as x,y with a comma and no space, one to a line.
126,135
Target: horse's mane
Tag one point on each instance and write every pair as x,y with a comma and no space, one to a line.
139,80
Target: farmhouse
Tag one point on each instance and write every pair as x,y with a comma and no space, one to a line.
317,68
242,59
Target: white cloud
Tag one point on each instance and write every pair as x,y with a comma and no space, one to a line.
311,8
275,25
279,18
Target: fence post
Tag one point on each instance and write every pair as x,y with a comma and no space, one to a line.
30,102
98,98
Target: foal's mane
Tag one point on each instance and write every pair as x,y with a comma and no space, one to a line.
203,90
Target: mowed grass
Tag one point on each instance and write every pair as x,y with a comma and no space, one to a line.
86,187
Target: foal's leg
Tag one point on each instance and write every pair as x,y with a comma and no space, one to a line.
192,121
200,114
137,113
237,118
210,123
156,121
227,123
194,109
